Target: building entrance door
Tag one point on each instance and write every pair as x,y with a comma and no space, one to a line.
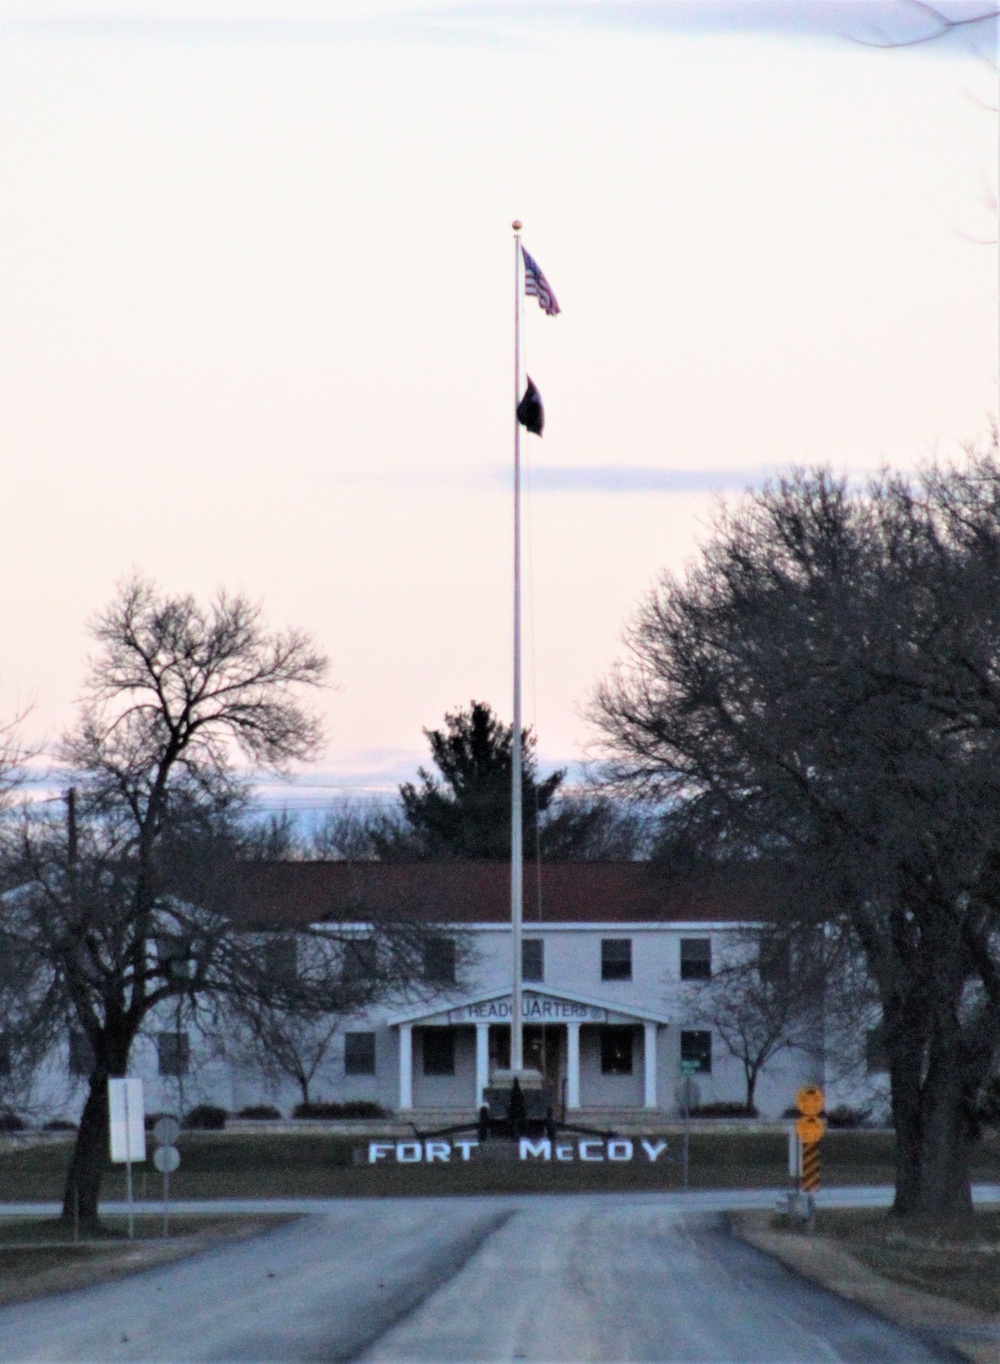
543,1051
499,1046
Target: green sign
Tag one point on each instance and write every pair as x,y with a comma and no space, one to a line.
689,1067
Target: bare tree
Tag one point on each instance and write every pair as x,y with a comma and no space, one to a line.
313,980
176,694
824,690
351,832
940,24
766,998
285,1045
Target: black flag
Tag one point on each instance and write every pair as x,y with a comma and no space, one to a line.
530,412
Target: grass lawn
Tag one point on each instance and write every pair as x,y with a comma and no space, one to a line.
967,1271
273,1165
38,1256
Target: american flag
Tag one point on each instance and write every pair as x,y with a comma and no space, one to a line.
537,286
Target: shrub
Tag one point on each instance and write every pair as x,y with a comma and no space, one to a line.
354,1108
11,1122
152,1119
259,1111
846,1116
59,1125
723,1110
206,1118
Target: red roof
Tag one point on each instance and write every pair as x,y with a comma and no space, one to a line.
479,892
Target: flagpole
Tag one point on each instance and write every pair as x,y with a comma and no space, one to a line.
516,814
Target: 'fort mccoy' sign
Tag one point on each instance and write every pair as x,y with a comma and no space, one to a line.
592,1150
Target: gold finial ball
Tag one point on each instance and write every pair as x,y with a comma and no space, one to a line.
516,224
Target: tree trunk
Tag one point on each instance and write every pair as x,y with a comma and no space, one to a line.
91,1154
934,1137
932,1167
751,1075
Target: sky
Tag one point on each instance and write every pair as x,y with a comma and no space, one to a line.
256,322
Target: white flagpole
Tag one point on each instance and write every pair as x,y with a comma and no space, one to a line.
516,815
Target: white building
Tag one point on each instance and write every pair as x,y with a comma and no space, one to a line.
613,957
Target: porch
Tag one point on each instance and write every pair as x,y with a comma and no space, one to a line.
587,1051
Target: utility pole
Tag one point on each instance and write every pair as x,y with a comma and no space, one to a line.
71,842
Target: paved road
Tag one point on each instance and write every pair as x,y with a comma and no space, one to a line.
695,1200
575,1278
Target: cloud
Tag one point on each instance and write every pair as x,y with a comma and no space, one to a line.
873,21
554,478
611,478
505,21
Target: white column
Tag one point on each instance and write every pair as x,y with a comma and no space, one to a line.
406,1066
649,1065
572,1065
482,1060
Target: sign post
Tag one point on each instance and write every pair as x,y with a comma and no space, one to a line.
128,1132
809,1129
166,1158
688,1071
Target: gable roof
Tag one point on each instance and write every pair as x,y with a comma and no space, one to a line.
299,893
502,994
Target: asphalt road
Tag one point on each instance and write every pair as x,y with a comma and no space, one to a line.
575,1278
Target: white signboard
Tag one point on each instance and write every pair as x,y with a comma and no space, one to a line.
128,1121
535,1008
532,1008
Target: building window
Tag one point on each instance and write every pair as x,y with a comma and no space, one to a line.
616,1051
696,958
173,954
774,959
697,1047
81,1054
173,1052
360,961
281,960
439,961
876,1055
359,1053
616,959
439,1051
533,959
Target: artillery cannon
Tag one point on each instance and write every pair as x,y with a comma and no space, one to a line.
516,1103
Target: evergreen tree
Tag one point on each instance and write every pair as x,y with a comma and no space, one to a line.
464,812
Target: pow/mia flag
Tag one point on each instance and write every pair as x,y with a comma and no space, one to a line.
530,412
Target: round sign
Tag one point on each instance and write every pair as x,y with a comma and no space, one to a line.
810,1129
166,1130
166,1159
809,1101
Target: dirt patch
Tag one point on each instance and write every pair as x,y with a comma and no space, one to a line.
38,1256
950,1291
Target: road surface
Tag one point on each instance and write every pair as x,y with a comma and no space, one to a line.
547,1279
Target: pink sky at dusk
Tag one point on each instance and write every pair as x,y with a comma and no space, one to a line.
257,317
